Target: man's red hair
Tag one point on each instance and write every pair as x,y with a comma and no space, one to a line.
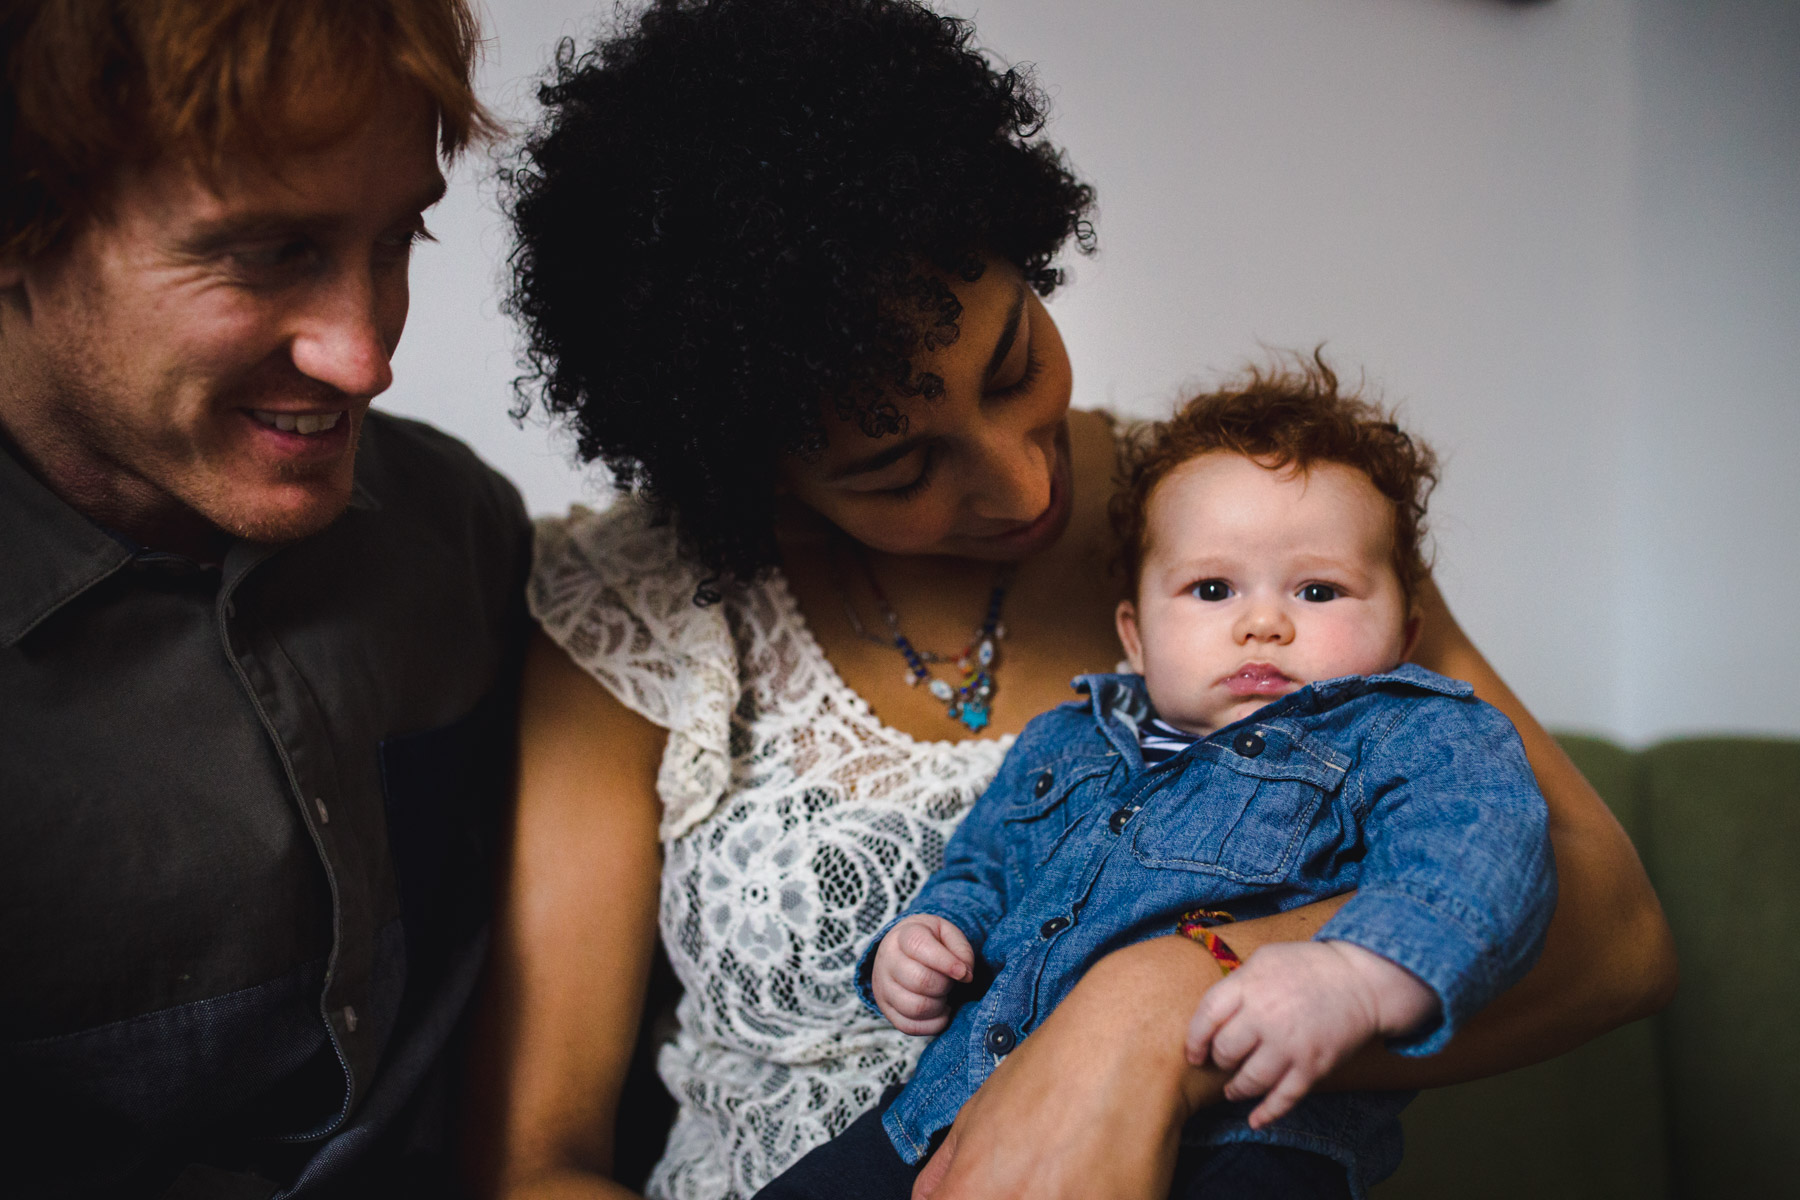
93,85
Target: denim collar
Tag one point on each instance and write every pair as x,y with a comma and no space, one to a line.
1120,704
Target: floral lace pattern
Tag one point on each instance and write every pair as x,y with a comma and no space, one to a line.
795,825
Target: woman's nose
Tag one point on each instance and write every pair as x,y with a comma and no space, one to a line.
1016,479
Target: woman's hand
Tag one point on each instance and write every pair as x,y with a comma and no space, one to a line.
573,940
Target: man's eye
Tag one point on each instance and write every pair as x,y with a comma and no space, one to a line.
276,256
399,245
1318,593
1211,589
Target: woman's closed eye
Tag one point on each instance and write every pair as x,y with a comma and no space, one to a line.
1033,369
928,461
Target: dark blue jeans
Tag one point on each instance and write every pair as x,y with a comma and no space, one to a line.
861,1164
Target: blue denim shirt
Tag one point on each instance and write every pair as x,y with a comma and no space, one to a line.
1400,786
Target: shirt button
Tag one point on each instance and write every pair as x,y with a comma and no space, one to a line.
1043,784
349,1019
1249,743
324,813
1000,1039
1116,822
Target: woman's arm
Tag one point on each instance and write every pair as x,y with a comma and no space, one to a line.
572,941
1104,1079
1608,958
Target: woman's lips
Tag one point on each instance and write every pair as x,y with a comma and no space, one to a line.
1258,679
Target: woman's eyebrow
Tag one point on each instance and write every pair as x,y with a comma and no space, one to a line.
1009,333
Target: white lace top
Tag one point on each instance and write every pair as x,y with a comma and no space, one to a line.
795,824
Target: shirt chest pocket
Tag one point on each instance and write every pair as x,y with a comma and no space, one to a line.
1240,810
1051,803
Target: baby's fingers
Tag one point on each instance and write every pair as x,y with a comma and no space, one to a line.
1260,1071
923,942
1281,1099
958,946
1221,1002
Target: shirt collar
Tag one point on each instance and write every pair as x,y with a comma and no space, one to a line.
52,554
1122,698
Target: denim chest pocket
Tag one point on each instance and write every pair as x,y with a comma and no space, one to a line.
1242,809
1052,801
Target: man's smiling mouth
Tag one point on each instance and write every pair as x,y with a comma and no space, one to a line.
302,423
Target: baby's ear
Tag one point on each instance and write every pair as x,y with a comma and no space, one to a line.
1125,621
1415,624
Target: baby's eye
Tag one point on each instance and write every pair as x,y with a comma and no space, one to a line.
1318,593
1211,589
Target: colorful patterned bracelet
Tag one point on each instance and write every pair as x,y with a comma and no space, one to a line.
1198,924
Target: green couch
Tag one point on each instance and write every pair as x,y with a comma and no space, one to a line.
1702,1100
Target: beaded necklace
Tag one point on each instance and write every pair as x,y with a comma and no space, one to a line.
970,701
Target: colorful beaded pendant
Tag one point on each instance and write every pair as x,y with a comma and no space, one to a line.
969,701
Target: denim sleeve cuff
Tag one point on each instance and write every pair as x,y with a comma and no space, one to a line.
1448,957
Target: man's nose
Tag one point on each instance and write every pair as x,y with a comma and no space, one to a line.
1266,622
343,340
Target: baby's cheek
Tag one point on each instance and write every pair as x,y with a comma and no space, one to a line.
1357,643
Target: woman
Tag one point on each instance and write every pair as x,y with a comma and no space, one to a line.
781,264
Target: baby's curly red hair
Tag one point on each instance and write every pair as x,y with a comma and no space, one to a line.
1289,413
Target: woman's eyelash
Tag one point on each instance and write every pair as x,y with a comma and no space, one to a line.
907,491
1034,366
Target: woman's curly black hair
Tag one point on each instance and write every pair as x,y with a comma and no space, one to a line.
728,219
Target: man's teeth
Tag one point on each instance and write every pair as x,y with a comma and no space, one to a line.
297,422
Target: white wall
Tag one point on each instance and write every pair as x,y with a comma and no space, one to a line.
1565,237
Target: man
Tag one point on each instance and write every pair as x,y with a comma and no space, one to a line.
256,642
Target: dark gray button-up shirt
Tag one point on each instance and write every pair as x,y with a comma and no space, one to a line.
246,814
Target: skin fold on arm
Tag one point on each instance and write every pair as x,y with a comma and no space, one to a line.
1105,1078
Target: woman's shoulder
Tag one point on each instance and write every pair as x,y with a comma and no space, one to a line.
623,541
614,590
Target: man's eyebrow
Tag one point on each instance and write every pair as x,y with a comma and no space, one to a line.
1009,333
253,225
874,462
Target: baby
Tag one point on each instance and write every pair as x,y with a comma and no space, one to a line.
1271,748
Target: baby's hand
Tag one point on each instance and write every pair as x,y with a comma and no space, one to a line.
1294,1011
918,961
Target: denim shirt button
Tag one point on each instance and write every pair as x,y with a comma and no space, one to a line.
1116,822
1053,926
1043,784
1000,1039
1248,743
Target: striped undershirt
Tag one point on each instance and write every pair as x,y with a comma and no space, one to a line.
1161,741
